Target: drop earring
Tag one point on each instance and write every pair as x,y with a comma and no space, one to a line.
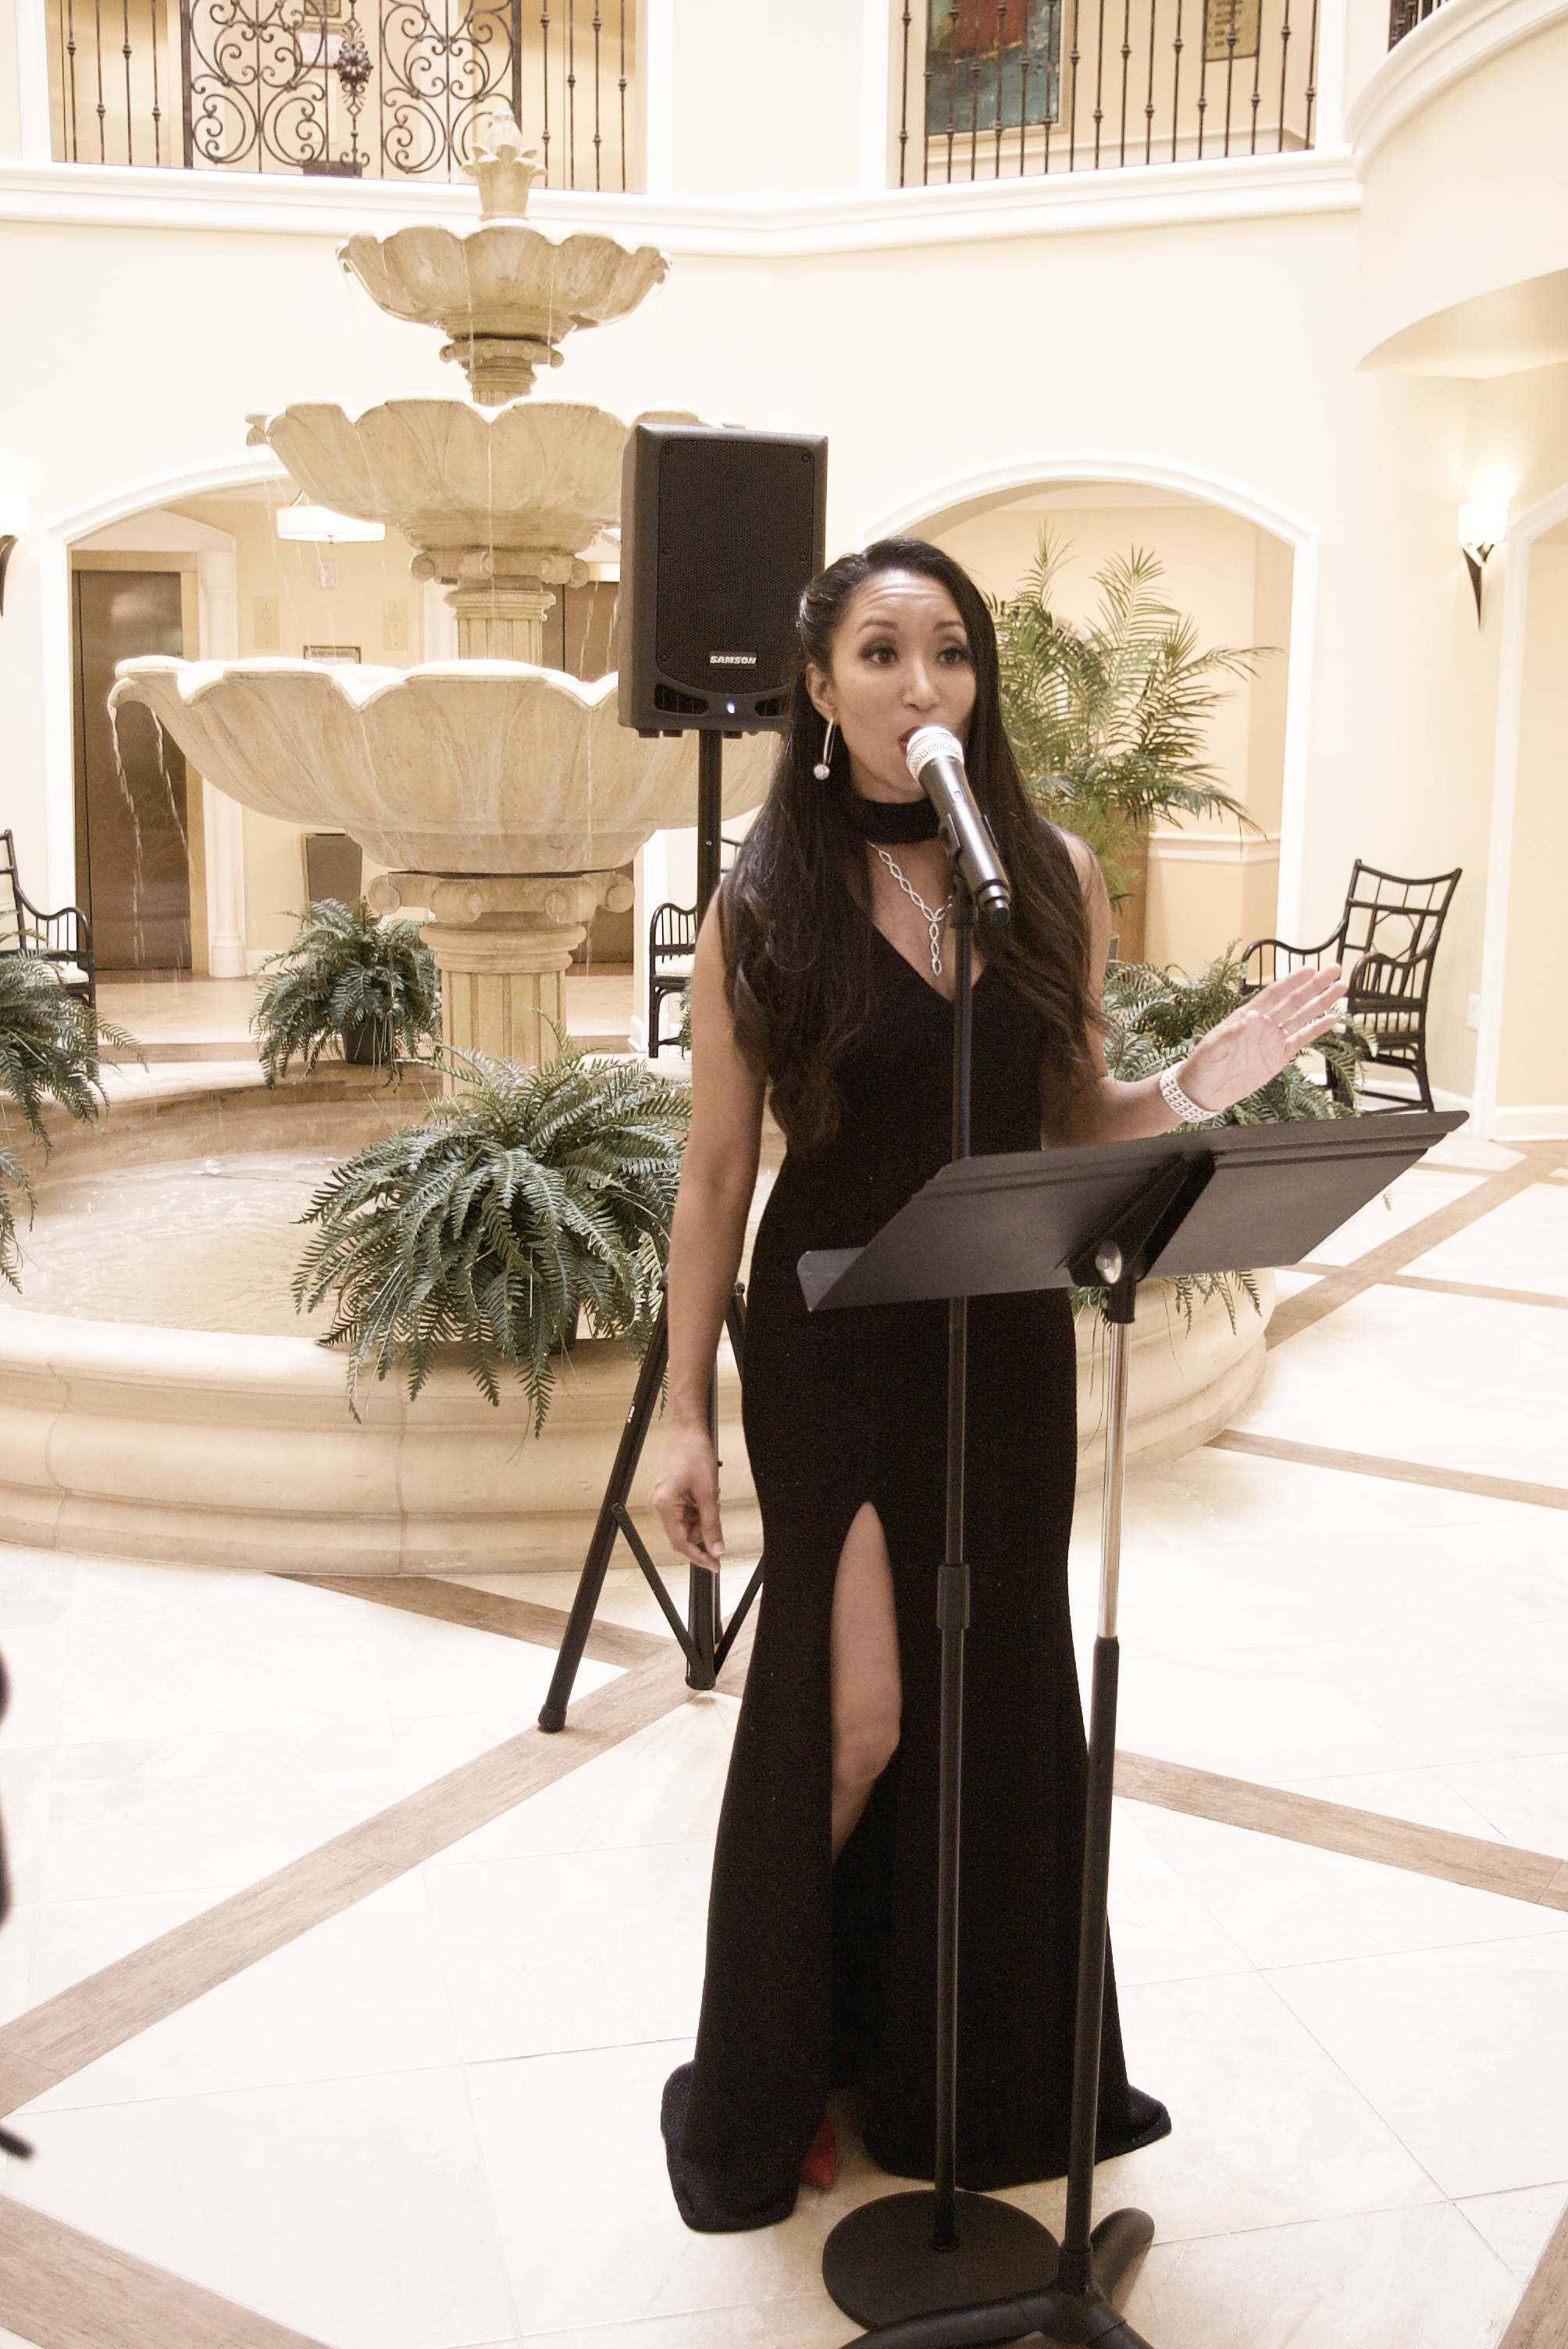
824,766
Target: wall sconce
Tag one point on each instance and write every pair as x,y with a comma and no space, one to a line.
1482,523
13,526
322,527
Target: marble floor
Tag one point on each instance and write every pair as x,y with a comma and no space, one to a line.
335,2001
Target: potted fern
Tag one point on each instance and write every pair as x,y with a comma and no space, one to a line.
1109,720
527,1198
347,976
50,1043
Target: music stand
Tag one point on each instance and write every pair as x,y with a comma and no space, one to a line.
1107,1214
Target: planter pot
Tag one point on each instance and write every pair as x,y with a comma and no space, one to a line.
369,1044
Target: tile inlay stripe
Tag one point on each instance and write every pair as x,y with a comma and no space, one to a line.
67,2291
1341,1283
1535,1876
1396,1472
488,1610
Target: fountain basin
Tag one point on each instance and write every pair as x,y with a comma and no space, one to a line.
464,767
521,491
229,1446
502,281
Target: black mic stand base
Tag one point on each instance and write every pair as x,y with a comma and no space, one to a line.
1118,2242
880,2265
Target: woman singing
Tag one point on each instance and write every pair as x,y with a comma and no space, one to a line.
823,983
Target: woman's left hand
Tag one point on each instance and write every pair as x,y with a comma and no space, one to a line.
1263,1037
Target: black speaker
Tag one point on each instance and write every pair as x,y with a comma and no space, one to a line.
719,533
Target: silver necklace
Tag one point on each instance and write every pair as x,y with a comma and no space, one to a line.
934,921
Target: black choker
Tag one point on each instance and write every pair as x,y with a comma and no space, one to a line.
893,823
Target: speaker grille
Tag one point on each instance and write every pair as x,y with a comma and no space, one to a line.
736,540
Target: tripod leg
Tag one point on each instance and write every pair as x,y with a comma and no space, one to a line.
628,1451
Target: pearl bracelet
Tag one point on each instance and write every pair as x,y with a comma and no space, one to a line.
1180,1104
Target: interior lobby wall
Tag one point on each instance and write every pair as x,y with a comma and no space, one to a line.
1532,1060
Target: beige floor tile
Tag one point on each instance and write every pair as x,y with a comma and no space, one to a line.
625,1598
355,2211
1453,1696
1287,1904
1526,1561
363,1994
1170,1603
1465,1148
1266,2127
35,1655
1461,2050
572,1951
1518,2226
1523,1244
26,1777
811,2322
18,1937
1232,1496
1390,2280
1524,1799
662,1786
36,1585
1249,1713
1160,1928
1401,1373
1421,1192
549,2123
1380,1579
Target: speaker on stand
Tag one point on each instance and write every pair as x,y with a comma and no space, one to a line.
720,531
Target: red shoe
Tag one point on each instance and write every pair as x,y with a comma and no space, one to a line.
820,2166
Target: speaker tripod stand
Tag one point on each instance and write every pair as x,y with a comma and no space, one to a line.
704,1638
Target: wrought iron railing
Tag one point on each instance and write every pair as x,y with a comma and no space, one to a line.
312,86
1404,15
993,89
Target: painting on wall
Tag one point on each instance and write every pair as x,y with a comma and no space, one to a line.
992,65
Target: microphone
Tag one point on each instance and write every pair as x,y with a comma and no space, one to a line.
935,759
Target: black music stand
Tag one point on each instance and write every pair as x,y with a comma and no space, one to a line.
1107,1214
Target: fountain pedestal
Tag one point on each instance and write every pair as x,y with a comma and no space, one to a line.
503,944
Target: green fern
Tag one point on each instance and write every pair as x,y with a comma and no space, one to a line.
1154,1018
345,972
1109,722
527,1198
50,1043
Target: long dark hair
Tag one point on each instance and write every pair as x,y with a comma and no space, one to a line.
798,963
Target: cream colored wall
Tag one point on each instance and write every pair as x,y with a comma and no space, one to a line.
1465,196
1533,1066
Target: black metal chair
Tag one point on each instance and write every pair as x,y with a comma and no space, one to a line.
65,938
672,939
1387,935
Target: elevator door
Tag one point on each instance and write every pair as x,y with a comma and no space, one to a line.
133,860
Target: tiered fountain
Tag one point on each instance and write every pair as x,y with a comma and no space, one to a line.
503,794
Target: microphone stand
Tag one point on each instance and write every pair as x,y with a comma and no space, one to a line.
906,2254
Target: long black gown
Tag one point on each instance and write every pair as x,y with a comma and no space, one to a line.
819,1974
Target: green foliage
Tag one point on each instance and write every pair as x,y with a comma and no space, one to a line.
347,975
1109,722
530,1196
1154,1018
49,1048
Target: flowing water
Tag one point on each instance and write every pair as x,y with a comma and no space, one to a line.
194,1244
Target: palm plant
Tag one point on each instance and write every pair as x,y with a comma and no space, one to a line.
530,1196
345,974
1110,721
50,1043
1154,1018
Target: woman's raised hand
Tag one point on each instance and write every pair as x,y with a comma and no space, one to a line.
1260,1039
686,1496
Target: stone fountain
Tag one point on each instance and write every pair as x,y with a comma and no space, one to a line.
501,794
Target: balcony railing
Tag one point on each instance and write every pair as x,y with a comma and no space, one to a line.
993,90
1404,15
309,87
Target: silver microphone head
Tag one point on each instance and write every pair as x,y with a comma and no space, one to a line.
931,742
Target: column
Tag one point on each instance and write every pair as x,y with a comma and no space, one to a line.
217,611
